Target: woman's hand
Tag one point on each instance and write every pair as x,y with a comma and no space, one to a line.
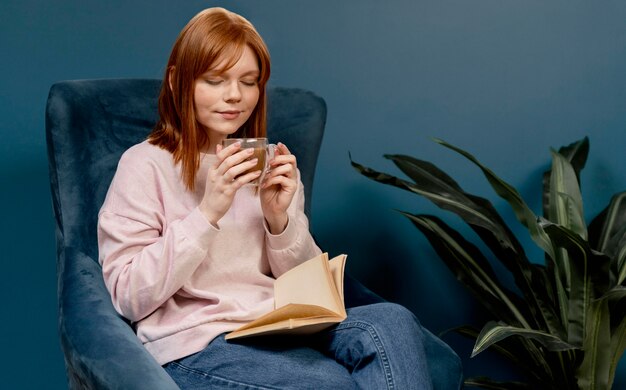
224,178
278,188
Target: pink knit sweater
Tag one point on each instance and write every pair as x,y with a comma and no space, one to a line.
179,279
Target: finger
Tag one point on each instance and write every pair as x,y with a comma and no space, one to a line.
224,152
281,170
283,160
286,170
238,170
242,180
283,148
280,149
235,159
284,182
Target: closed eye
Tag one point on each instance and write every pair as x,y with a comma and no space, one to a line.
249,83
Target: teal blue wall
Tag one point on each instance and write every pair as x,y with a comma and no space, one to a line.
505,80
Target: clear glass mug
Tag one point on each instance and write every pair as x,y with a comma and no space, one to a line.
263,152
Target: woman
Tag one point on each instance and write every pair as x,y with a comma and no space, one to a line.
189,252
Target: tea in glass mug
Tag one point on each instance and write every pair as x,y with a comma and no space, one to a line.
263,152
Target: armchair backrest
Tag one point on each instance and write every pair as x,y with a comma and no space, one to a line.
90,123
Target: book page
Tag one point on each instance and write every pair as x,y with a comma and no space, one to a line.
337,265
290,312
292,319
310,283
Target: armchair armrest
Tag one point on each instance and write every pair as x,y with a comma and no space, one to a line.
101,349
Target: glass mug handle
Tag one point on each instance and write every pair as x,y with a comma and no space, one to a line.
269,155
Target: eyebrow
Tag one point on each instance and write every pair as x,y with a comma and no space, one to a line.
215,72
255,72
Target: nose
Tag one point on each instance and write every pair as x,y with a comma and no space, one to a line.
232,92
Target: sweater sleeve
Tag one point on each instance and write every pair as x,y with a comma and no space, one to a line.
295,244
144,260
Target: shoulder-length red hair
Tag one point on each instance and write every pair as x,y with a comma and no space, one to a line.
210,36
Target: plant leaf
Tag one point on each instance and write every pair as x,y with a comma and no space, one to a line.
538,296
523,213
470,267
424,173
565,209
576,153
566,204
593,373
621,265
607,233
521,352
548,295
464,330
590,277
493,332
618,345
617,297
488,383
608,225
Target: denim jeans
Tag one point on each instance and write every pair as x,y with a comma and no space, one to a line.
378,346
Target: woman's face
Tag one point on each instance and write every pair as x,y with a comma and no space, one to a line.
224,101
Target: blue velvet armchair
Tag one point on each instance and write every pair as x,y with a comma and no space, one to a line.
89,124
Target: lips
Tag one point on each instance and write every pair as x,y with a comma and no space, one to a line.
229,114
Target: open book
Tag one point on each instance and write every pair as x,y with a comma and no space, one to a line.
307,299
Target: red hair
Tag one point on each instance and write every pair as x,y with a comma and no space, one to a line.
210,36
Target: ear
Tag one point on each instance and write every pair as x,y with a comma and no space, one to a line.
170,75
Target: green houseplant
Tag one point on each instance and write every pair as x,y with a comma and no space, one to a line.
565,325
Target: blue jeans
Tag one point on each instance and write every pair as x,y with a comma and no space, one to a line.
379,346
